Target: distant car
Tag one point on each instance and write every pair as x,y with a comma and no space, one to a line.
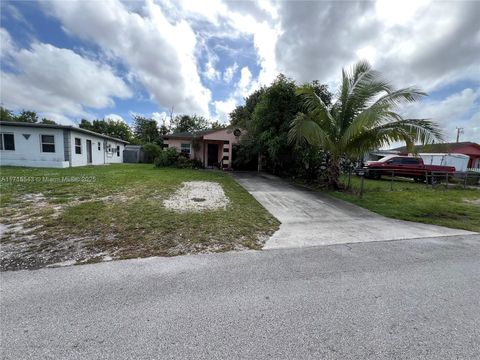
405,166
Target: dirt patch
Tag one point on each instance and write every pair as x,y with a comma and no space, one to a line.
27,244
197,196
472,202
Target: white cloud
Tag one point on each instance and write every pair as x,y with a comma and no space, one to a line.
223,109
461,109
229,72
243,88
423,43
210,72
245,79
159,53
115,117
162,118
57,81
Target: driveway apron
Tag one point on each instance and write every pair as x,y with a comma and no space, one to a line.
310,218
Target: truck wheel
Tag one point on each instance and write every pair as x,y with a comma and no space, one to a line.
433,180
376,175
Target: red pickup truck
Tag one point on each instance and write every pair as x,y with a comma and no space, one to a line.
406,166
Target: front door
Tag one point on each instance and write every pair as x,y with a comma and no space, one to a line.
212,159
89,151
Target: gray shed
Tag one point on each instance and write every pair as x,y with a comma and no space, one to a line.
133,154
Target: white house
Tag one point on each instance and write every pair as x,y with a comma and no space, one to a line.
42,145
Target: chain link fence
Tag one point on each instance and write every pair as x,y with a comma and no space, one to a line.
360,180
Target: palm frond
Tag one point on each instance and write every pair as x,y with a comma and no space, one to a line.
305,128
312,103
400,96
409,130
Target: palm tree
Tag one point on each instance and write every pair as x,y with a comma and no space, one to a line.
362,119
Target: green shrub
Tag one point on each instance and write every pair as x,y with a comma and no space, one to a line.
184,163
166,157
196,164
152,151
171,157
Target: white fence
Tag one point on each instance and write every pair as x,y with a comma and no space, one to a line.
474,169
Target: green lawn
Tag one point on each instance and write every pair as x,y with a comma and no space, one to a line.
452,207
117,212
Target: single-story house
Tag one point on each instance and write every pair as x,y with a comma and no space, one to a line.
60,146
468,148
214,148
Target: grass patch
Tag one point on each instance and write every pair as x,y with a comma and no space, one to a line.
453,207
90,213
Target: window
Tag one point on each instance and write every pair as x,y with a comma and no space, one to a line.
99,146
226,141
48,143
225,150
185,149
78,146
410,161
395,161
7,142
118,150
225,158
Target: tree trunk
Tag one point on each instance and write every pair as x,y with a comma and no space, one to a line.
333,173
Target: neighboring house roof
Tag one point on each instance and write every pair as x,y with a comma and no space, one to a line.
62,127
442,148
188,135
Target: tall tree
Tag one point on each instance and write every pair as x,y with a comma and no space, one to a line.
24,116
187,123
146,130
362,119
27,116
47,121
274,108
243,114
215,125
114,128
6,115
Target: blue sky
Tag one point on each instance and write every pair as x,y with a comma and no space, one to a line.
87,59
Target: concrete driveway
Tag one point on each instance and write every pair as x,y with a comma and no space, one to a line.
311,218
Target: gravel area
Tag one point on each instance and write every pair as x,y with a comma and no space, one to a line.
197,196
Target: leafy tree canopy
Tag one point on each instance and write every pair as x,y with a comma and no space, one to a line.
114,128
145,130
187,123
24,116
267,116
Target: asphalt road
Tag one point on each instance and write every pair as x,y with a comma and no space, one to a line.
310,218
407,299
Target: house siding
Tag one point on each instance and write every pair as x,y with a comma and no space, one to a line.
224,138
28,148
28,151
106,155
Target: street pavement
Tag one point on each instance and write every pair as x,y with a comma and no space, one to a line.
310,218
405,299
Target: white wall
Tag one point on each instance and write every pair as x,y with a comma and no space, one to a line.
111,157
99,157
28,152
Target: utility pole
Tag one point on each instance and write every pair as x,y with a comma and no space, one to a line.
459,131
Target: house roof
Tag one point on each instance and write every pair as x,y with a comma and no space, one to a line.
188,135
439,148
62,127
